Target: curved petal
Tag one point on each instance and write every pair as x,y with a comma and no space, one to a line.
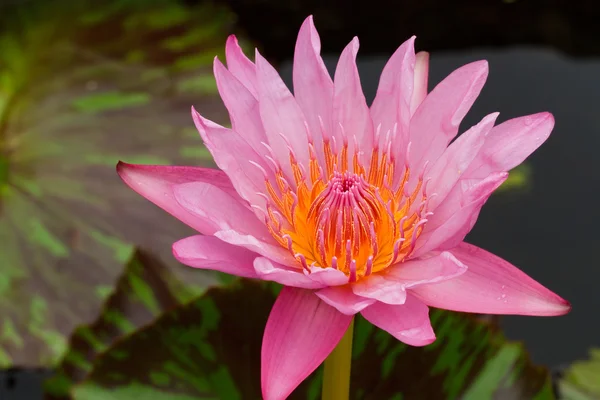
458,222
351,115
327,276
380,288
267,270
240,66
242,107
301,332
282,118
223,211
343,299
313,87
209,252
421,75
435,123
156,182
391,107
511,142
265,248
408,322
491,285
246,169
427,271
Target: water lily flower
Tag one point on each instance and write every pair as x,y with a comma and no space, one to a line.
354,209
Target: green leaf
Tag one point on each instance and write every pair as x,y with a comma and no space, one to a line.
83,85
582,379
210,348
144,291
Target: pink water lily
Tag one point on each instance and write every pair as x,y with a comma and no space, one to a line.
352,208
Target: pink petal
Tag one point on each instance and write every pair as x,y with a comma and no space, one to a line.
425,271
282,118
240,66
454,229
300,333
421,80
208,252
268,270
327,276
242,107
232,154
408,322
222,211
352,119
391,106
156,182
313,87
435,123
491,285
452,164
511,142
343,299
266,248
380,288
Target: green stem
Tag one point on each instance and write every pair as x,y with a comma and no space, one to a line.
336,377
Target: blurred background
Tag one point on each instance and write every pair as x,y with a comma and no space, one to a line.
85,84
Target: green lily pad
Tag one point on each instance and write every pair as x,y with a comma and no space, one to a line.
209,348
82,85
582,379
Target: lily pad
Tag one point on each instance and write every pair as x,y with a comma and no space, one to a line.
209,348
82,85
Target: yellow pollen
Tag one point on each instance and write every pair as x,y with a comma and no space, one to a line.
345,216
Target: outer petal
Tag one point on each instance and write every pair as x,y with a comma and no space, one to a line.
242,106
380,288
491,285
344,300
426,271
421,80
301,332
452,164
408,322
511,142
223,211
240,66
313,87
453,230
352,119
391,105
265,248
156,183
268,270
282,118
208,252
435,123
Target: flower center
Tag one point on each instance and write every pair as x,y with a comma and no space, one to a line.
344,216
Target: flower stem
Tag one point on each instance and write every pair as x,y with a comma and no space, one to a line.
336,377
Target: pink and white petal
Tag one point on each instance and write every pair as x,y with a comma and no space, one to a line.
209,252
453,230
343,299
380,288
491,285
455,161
300,333
282,118
511,142
156,182
351,115
268,270
425,271
232,154
327,276
223,211
266,248
313,87
242,106
408,322
391,107
240,66
435,123
421,76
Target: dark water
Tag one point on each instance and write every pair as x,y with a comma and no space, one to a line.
550,229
